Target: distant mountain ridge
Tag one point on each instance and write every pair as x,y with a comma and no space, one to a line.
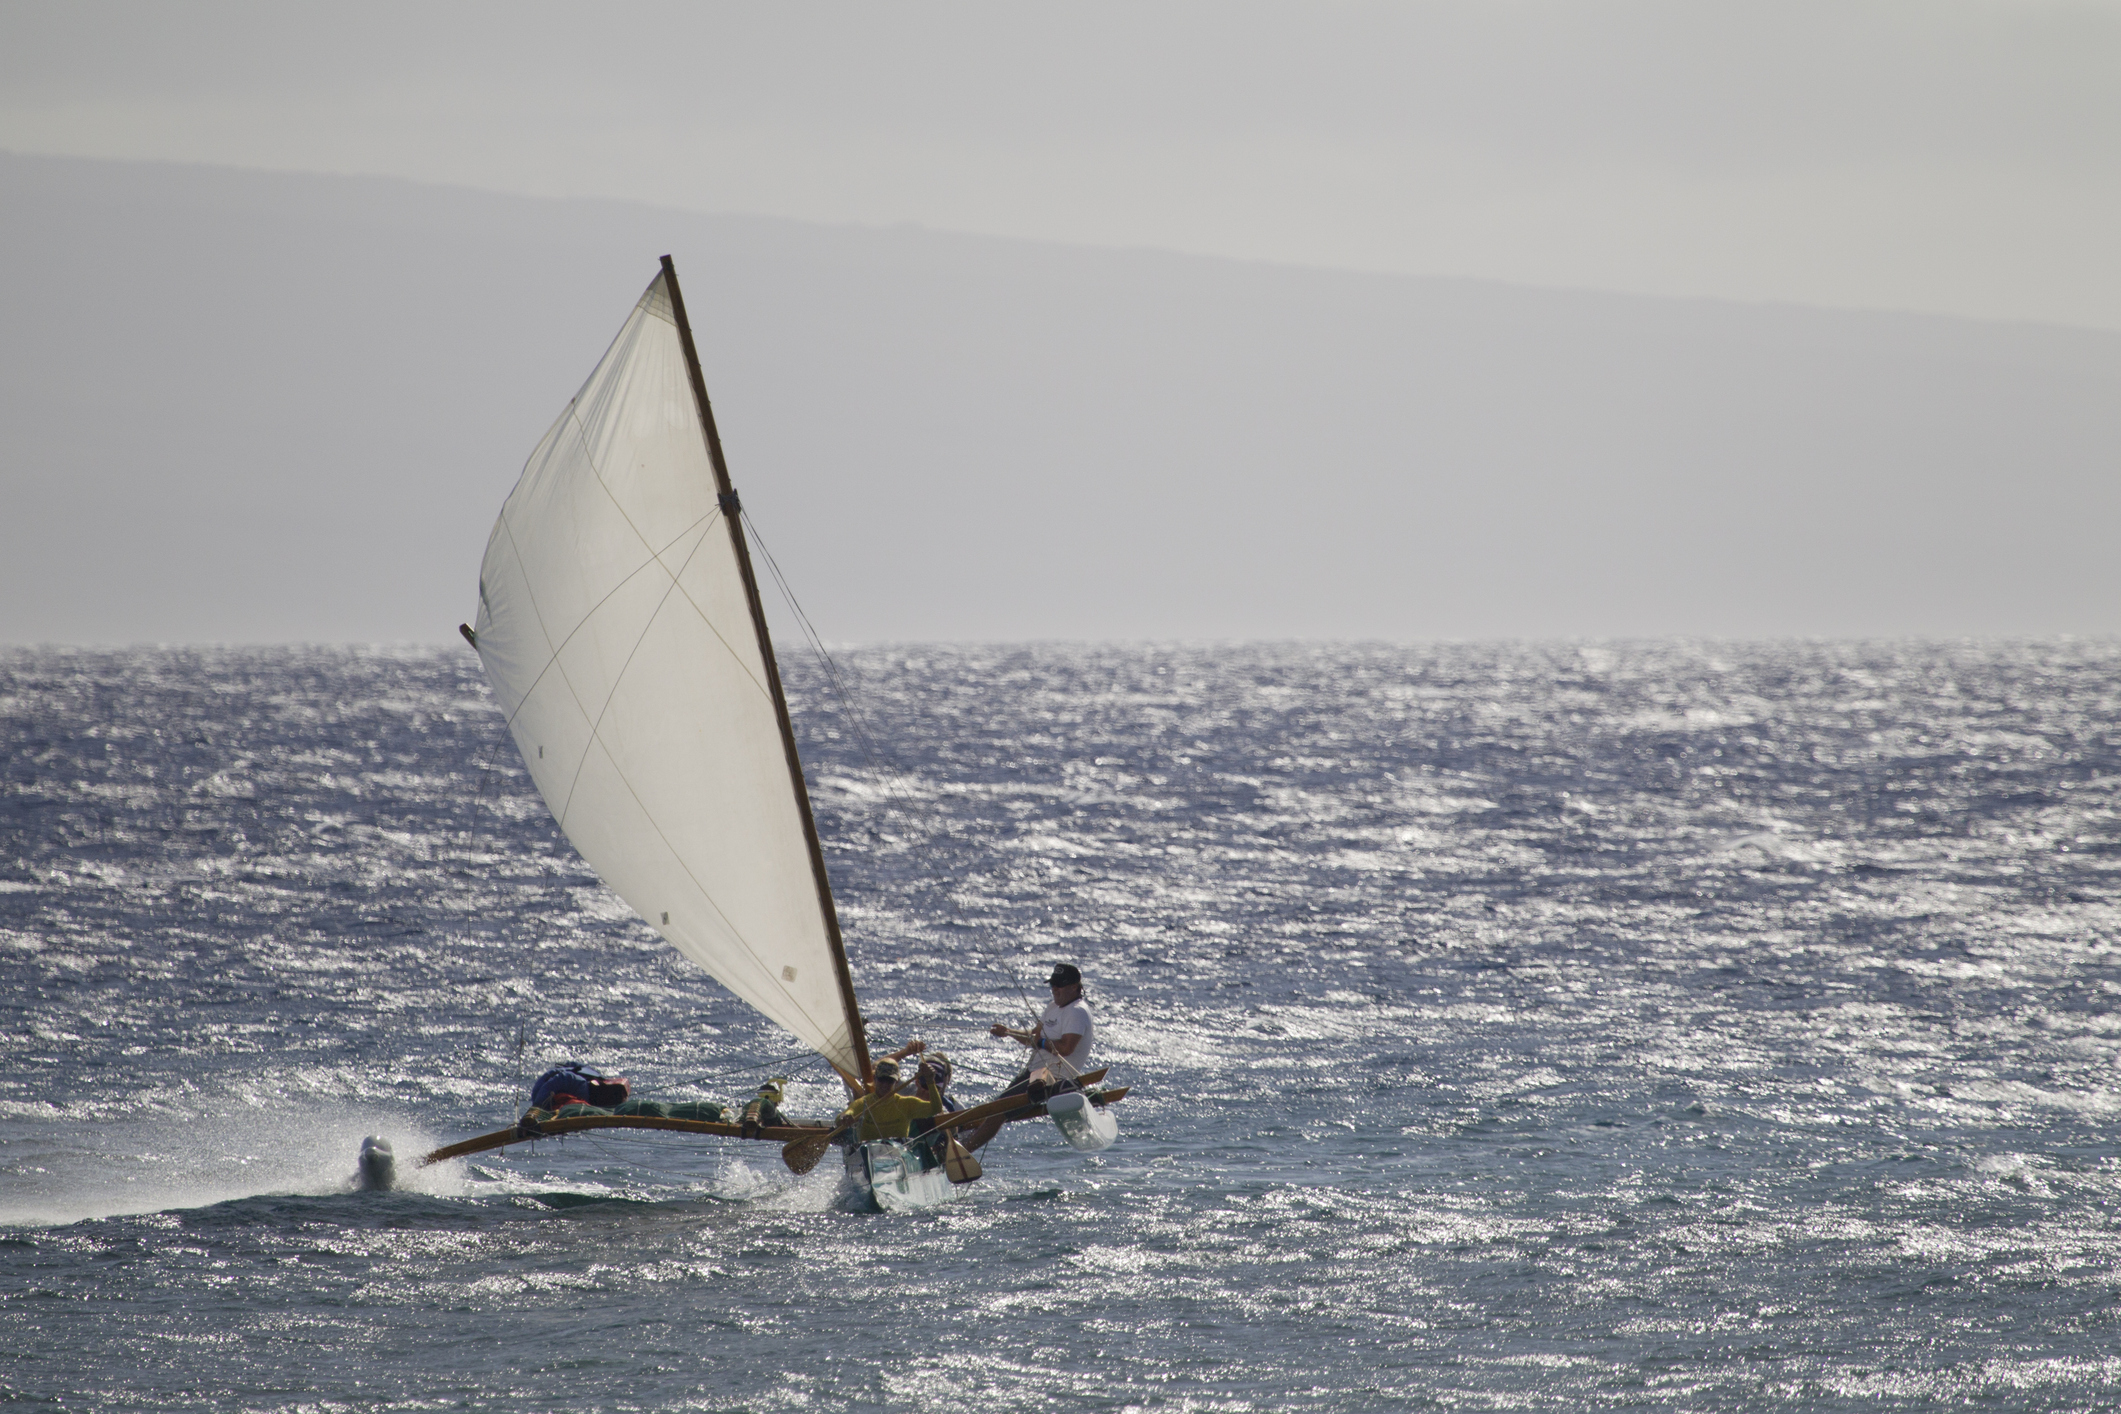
255,407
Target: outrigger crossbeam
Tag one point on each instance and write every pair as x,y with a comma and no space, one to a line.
527,1130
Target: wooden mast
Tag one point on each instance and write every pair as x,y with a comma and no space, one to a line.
732,512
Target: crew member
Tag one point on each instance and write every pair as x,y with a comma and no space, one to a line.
884,1113
931,1081
1064,1029
933,1075
1060,1044
764,1111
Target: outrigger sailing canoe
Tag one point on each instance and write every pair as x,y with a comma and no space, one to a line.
620,625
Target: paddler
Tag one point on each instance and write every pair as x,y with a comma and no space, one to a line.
884,1113
764,1111
1060,1045
931,1081
1064,1029
933,1078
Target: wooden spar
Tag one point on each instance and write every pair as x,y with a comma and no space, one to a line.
553,1128
802,1153
732,513
1007,1104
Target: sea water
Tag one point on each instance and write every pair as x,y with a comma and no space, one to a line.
1687,1026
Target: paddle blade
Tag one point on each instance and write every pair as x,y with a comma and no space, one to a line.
959,1163
801,1155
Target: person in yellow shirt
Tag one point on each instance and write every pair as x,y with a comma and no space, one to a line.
884,1113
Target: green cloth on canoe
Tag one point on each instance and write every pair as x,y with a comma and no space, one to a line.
687,1109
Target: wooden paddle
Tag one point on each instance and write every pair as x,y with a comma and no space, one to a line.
801,1155
958,1162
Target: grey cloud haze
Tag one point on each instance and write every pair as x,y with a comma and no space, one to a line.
1945,156
248,407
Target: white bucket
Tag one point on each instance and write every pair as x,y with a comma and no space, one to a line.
1088,1127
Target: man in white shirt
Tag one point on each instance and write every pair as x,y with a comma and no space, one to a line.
1060,1043
1064,1029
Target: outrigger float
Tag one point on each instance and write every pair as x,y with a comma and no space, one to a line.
621,627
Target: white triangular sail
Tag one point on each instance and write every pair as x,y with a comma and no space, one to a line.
615,627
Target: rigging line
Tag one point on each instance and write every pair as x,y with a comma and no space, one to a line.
596,742
877,758
887,768
854,716
869,749
795,1059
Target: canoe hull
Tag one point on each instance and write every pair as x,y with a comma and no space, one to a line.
892,1178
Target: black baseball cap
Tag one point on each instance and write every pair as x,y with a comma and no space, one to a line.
1065,974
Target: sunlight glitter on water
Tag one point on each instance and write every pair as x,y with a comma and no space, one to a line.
1510,1027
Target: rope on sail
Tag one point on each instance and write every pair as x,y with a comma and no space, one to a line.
888,771
747,1070
596,727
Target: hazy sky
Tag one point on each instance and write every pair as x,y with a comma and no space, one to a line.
1935,156
240,406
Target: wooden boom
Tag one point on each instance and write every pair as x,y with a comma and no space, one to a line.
802,1155
1004,1104
1099,1098
551,1128
722,1128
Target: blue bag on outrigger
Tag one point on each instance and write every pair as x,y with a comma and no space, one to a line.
576,1084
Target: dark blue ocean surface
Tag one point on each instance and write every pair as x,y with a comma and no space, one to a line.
1664,1025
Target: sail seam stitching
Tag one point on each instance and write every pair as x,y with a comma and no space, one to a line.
616,505
574,417
656,557
596,727
677,584
646,814
553,660
574,412
656,825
